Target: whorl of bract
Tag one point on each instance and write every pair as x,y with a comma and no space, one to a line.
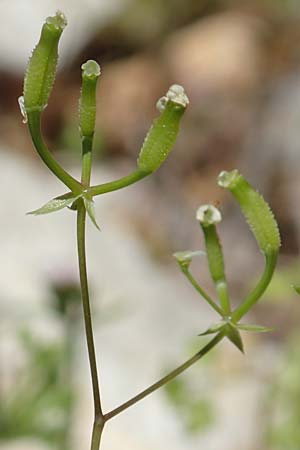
164,130
255,209
42,64
87,103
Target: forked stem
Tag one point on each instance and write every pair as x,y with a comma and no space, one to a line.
99,418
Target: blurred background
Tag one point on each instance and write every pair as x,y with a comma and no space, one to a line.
239,62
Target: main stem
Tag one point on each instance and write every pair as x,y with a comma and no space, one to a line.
166,378
98,415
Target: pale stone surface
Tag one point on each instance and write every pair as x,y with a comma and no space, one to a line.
131,86
216,55
22,21
24,444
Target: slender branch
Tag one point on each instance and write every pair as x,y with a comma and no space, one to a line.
199,289
81,219
165,379
118,184
254,296
34,125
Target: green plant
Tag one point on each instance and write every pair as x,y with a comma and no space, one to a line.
38,83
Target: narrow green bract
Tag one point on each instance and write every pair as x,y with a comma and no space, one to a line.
87,103
41,69
163,133
256,210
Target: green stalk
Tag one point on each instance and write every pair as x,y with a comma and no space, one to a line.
254,296
34,124
222,291
97,434
118,184
209,216
87,146
165,379
216,265
201,291
98,415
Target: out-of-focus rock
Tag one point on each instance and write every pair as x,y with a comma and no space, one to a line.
24,444
216,56
127,95
271,154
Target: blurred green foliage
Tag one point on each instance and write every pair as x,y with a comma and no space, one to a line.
283,402
41,400
284,6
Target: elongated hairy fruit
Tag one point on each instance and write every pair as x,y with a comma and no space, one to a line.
255,209
163,133
41,69
87,103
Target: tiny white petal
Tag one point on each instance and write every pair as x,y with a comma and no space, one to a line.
161,103
208,215
22,108
176,94
59,20
227,179
91,69
186,256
